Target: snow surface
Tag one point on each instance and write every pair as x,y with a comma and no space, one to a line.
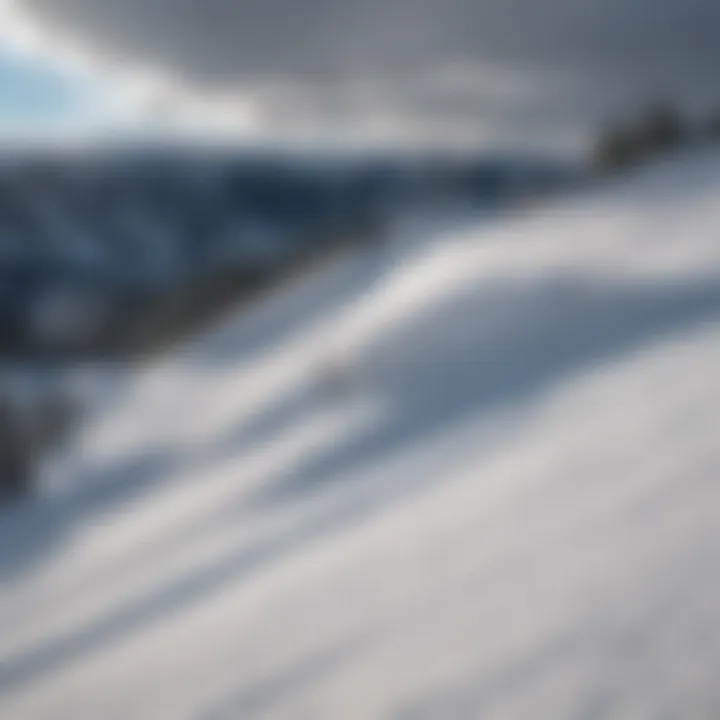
469,474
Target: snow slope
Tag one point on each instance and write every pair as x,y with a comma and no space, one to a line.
470,474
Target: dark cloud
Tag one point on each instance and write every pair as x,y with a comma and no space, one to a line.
580,56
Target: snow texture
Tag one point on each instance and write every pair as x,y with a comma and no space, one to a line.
470,474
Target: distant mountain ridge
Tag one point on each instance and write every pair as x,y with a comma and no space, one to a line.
88,236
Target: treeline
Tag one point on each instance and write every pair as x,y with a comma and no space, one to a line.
660,129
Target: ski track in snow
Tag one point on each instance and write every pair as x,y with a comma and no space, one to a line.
510,510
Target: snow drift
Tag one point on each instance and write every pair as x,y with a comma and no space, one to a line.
471,473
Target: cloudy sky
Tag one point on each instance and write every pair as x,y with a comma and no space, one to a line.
453,67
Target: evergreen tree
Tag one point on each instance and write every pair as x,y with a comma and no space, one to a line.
662,129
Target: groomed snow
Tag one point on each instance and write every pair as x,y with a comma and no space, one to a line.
470,474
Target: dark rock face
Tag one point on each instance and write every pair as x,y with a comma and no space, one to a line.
16,456
31,427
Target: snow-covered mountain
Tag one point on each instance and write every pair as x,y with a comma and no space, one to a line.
88,235
470,473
